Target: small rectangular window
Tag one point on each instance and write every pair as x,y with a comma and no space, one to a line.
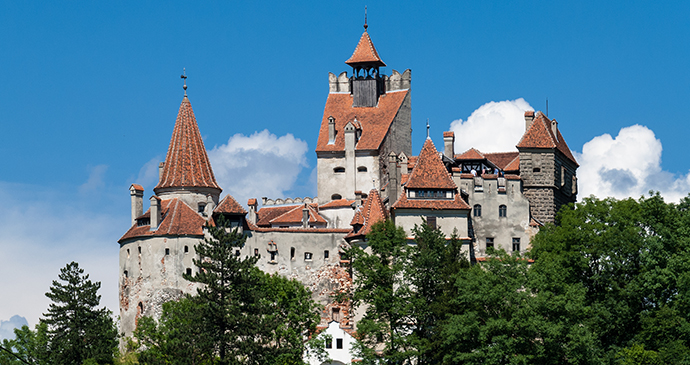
189,271
139,250
256,252
292,253
431,222
237,252
167,251
273,255
516,243
307,255
325,254
339,343
186,249
489,242
329,343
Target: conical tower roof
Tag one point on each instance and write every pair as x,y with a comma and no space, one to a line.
186,164
365,54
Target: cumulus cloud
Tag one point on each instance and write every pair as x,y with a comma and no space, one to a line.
480,129
261,164
7,327
628,165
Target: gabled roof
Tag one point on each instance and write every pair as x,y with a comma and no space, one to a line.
502,159
365,53
429,171
186,164
540,135
178,220
471,154
371,212
375,121
266,214
295,215
514,165
229,205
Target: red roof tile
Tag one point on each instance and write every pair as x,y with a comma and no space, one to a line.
371,212
365,52
178,220
266,214
138,187
375,121
229,205
252,202
449,134
186,164
514,165
471,154
429,171
501,159
433,204
340,203
295,216
540,135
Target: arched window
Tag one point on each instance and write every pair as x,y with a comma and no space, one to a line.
336,197
339,169
502,211
362,169
477,209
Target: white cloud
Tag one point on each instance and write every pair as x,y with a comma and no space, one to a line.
95,180
628,165
493,127
262,164
148,174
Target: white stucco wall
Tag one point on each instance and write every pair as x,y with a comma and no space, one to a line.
336,356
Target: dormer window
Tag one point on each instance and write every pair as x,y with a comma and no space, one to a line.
430,194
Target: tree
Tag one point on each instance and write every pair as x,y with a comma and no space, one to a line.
77,330
28,346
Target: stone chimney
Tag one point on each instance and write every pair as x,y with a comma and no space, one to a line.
331,130
529,117
251,216
210,206
393,183
160,170
136,192
358,198
305,216
155,212
402,157
449,144
554,129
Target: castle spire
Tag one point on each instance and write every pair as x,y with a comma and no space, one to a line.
184,77
186,164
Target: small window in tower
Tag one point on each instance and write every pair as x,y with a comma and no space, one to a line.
516,244
307,256
477,210
139,248
189,271
325,254
256,252
167,251
127,253
502,211
338,170
336,197
126,273
362,169
431,222
201,208
489,242
536,169
292,253
186,249
273,256
338,343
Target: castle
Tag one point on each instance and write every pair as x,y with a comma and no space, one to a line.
366,173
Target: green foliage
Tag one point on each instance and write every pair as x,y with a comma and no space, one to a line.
240,315
28,346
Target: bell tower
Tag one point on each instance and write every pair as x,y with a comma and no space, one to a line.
366,82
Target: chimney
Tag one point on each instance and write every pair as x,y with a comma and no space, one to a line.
155,212
160,170
449,144
210,206
554,129
403,163
305,216
136,192
331,130
358,198
393,183
251,216
529,117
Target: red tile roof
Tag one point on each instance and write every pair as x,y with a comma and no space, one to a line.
429,171
514,165
471,154
540,135
251,202
178,220
186,164
229,205
375,121
253,227
266,214
449,134
365,52
295,216
433,204
502,159
138,187
340,203
371,212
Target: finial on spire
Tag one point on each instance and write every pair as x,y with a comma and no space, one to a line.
427,128
365,18
184,76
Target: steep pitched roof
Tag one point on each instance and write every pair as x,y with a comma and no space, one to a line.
471,154
514,165
178,220
540,135
186,164
229,205
365,53
295,216
375,121
429,171
371,212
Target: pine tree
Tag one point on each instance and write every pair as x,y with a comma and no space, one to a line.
77,329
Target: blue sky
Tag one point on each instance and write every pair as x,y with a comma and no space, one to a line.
91,91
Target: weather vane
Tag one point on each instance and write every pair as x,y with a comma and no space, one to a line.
184,77
365,18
